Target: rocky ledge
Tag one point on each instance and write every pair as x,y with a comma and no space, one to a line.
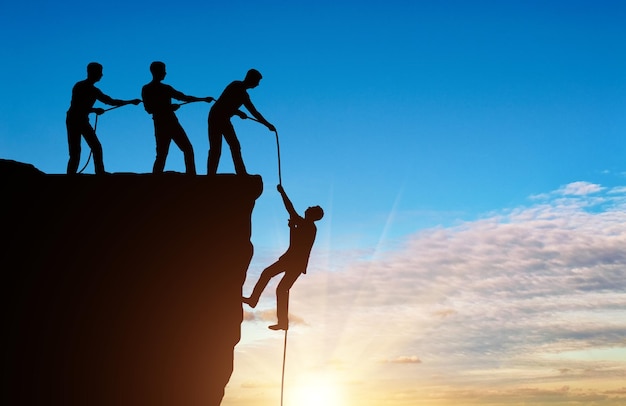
123,289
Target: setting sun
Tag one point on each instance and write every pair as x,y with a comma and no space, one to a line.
319,391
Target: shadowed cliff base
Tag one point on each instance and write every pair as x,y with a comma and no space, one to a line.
122,289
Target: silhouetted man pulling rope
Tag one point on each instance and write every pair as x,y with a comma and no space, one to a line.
227,105
84,95
157,100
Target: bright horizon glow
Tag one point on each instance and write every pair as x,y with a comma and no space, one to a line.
315,391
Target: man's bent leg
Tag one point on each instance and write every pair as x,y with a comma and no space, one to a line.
282,300
264,279
215,149
96,149
73,143
162,148
182,141
235,151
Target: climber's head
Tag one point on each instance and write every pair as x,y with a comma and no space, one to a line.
314,213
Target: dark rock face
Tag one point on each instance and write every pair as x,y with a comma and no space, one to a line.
123,289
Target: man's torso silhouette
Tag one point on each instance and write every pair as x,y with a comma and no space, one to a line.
234,96
84,96
157,99
301,237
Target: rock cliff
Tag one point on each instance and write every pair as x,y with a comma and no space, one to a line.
123,289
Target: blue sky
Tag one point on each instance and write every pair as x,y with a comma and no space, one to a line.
406,121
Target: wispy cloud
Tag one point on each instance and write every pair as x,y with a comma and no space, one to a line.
270,316
580,189
403,360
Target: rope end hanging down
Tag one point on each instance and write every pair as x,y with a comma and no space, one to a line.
282,382
95,128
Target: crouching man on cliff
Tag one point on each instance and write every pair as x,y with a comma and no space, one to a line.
293,262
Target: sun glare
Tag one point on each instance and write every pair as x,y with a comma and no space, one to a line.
316,393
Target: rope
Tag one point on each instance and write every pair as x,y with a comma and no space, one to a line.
282,381
95,127
280,182
182,104
113,108
193,101
280,179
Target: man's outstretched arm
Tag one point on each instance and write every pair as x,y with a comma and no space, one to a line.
183,97
288,205
116,102
255,113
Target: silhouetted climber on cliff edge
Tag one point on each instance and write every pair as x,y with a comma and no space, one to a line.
84,95
157,100
293,262
226,106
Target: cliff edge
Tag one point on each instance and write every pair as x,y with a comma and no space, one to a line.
122,289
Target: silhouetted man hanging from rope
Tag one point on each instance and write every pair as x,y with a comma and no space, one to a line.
84,95
227,105
293,262
157,100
